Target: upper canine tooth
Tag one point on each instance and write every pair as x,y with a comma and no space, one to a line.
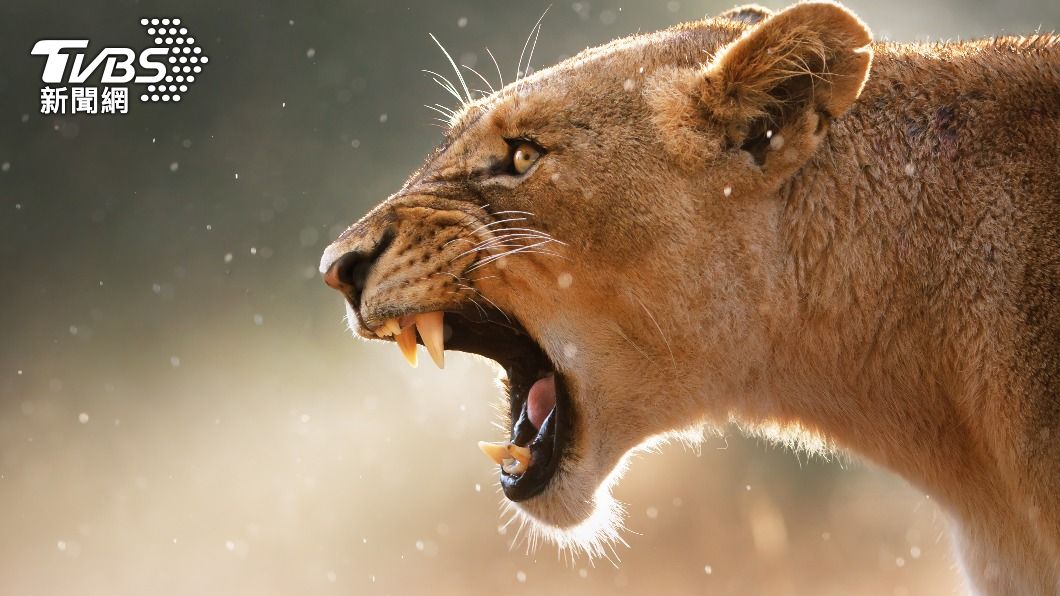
495,451
522,454
406,340
431,328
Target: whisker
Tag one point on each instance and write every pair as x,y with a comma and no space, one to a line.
503,238
452,62
493,223
497,66
445,84
550,237
661,334
444,111
514,211
492,90
490,259
635,346
530,58
519,65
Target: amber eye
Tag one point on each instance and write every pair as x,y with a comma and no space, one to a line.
524,156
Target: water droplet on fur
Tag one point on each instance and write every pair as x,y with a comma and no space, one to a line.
564,280
570,351
727,191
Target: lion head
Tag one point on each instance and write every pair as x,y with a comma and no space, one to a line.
605,231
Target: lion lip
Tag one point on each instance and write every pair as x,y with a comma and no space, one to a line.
546,445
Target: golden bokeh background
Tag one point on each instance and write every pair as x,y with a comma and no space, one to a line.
182,411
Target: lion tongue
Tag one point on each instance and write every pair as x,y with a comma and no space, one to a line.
540,400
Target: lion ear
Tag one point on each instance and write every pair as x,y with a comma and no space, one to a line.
748,14
809,60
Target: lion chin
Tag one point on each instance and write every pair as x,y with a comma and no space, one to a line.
763,218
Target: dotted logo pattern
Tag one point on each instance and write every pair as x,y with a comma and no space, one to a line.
183,63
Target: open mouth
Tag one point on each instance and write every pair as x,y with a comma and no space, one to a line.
540,410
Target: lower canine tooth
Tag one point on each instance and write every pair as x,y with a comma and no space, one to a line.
513,466
497,452
406,340
431,328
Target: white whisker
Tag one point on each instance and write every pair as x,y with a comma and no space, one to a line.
445,84
492,90
536,27
497,66
452,62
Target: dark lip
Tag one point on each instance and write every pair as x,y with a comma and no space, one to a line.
546,447
501,338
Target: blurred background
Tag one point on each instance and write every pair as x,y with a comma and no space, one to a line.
183,412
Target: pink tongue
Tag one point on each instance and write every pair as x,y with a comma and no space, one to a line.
541,399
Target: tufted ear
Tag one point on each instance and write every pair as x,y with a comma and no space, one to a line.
792,72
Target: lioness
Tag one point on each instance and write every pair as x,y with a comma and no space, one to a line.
763,218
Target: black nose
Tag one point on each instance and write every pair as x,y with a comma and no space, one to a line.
349,273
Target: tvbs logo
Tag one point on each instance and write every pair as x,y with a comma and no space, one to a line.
167,68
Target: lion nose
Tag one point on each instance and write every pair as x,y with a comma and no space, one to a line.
347,263
348,273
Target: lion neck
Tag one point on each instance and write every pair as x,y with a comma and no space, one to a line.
874,341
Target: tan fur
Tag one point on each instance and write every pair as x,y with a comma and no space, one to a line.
766,218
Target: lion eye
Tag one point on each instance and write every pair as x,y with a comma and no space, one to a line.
525,155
